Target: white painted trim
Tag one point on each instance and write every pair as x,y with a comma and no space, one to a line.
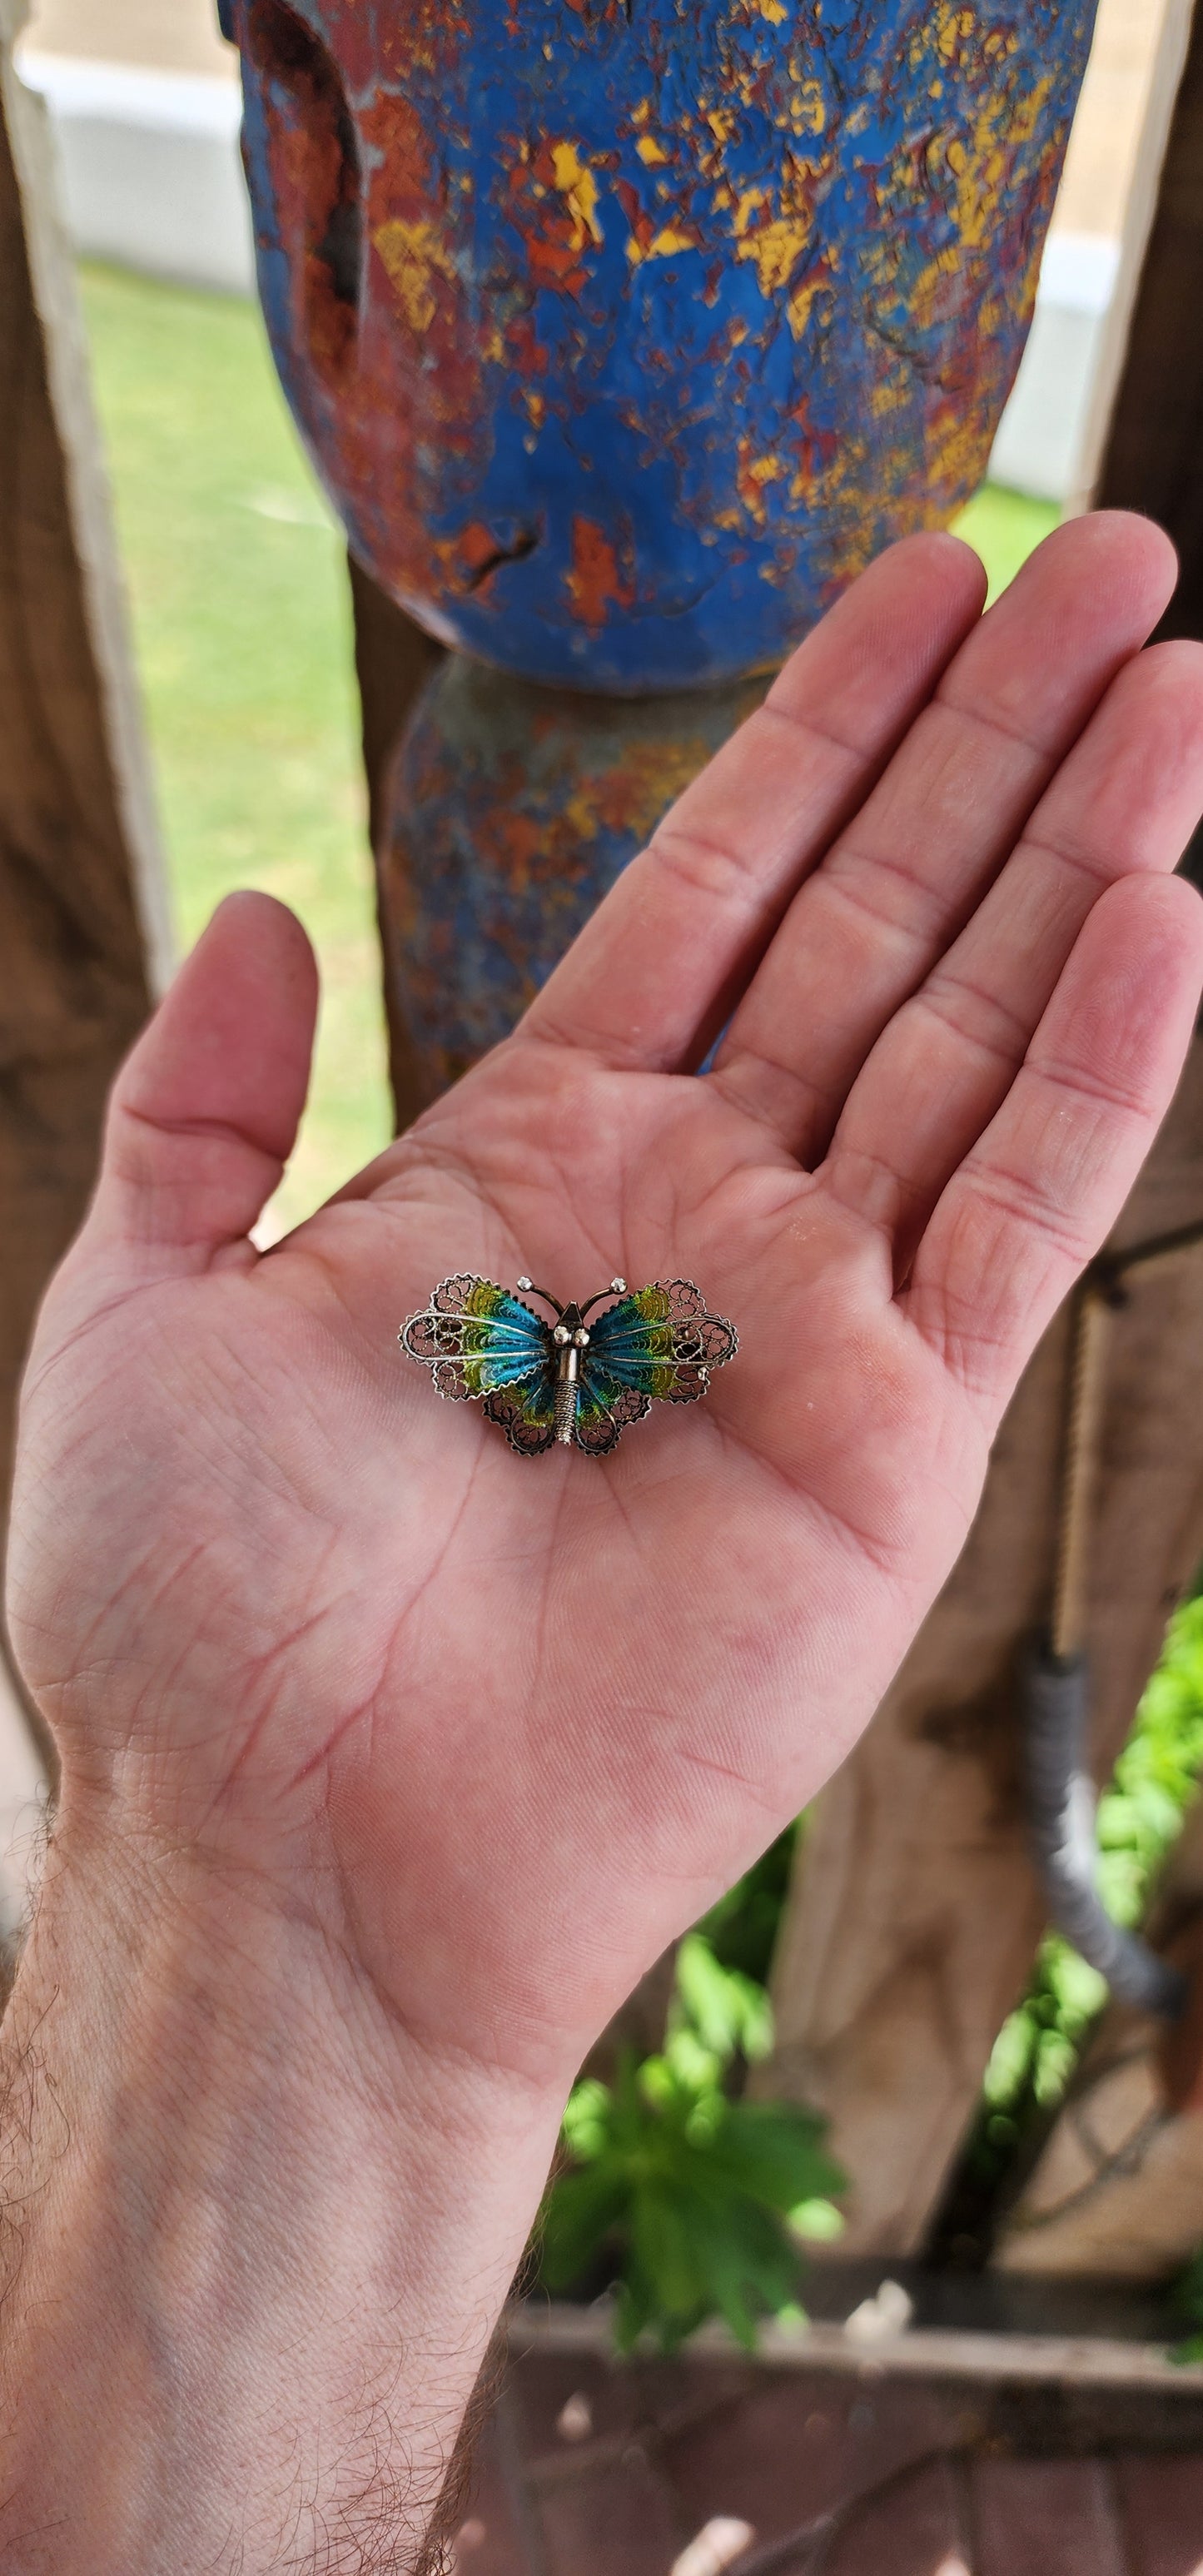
151,171
1042,433
169,102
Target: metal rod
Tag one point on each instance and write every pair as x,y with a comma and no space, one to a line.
1061,1817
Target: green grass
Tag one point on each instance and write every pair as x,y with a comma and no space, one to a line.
242,631
1003,527
243,637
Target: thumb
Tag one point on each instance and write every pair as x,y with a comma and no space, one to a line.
205,1110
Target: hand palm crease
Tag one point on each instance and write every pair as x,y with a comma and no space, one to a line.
510,1725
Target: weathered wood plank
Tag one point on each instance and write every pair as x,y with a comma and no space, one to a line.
1161,2509
1045,2518
915,1912
1117,378
1152,455
914,2529
83,921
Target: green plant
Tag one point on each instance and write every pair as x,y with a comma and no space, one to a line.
702,2200
242,624
742,1928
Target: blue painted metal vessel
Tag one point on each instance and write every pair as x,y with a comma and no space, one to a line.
624,332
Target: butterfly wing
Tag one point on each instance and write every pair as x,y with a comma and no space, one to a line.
657,1342
476,1338
603,1410
526,1412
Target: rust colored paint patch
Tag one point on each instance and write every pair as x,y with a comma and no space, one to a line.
594,581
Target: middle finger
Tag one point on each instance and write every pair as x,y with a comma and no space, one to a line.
903,878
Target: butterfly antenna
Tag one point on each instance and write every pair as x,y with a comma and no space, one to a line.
617,1288
544,1293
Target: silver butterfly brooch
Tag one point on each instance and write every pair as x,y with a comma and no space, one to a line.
568,1381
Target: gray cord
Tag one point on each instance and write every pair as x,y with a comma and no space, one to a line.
1061,1814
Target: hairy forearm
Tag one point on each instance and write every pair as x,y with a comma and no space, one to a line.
255,2240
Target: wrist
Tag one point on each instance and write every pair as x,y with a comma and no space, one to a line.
260,2234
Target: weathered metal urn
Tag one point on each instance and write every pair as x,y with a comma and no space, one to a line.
625,332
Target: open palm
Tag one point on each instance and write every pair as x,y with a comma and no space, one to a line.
503,1727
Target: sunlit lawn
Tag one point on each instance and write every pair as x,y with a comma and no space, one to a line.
243,634
243,637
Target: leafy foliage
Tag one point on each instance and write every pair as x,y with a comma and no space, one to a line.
702,2199
742,1928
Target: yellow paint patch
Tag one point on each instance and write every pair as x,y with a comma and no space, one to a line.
808,108
415,256
650,151
662,245
798,308
752,474
776,250
774,11
746,206
578,187
953,26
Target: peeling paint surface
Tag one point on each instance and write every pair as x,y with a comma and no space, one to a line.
624,332
514,810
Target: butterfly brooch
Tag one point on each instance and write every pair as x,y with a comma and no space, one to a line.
569,1381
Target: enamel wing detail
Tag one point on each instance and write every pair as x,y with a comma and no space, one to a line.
545,1384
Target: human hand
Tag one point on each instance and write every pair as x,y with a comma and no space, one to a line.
498,1730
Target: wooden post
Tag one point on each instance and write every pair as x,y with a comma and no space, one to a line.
1140,259
1119,2187
83,923
393,660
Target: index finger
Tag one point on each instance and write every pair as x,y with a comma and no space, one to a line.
652,976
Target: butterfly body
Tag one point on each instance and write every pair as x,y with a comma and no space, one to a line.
570,1382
